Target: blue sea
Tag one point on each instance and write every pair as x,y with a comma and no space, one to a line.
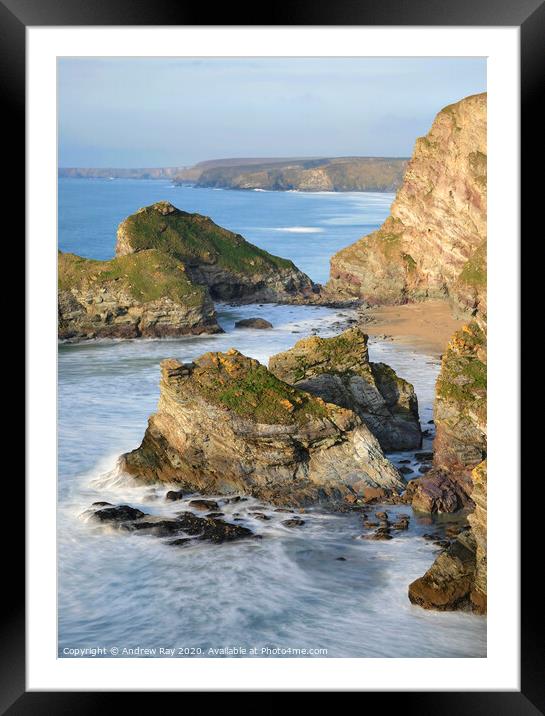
289,590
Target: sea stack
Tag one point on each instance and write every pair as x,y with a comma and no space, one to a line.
230,267
225,424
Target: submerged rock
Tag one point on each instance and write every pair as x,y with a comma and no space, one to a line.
338,370
226,424
209,528
253,323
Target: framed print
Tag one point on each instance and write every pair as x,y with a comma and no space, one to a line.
273,315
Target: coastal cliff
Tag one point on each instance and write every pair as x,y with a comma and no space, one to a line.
433,244
230,267
225,424
338,370
141,295
335,174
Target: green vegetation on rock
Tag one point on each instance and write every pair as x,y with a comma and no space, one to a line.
146,275
193,238
246,387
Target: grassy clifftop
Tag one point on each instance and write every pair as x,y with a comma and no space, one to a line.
193,238
147,276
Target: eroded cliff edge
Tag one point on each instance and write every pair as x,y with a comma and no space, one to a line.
433,244
225,424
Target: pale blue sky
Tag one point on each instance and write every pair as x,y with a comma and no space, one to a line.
146,112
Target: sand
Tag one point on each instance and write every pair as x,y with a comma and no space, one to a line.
426,326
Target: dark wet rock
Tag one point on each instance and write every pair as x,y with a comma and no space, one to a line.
381,515
295,522
119,513
405,470
214,530
101,504
204,504
424,456
173,495
369,524
341,559
216,514
180,542
260,516
154,526
424,468
404,462
401,525
283,509
232,500
260,323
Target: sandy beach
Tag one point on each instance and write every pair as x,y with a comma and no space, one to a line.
425,326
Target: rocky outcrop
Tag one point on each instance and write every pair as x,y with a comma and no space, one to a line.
141,295
460,423
477,520
229,266
225,424
457,578
433,244
339,371
259,323
335,174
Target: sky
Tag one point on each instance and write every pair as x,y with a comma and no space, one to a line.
160,112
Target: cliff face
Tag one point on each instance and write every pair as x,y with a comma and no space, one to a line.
338,174
338,371
433,244
143,295
231,267
225,424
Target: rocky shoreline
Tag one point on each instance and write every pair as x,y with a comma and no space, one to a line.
311,430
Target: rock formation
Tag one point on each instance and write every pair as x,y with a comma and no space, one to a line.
231,267
225,424
338,371
140,295
433,244
457,578
460,422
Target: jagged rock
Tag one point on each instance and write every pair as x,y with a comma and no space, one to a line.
144,295
174,495
439,492
433,243
226,424
338,370
228,265
448,583
253,323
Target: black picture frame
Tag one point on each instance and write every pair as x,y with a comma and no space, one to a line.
15,17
